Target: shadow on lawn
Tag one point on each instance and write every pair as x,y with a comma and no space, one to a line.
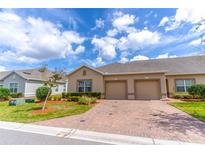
30,109
178,122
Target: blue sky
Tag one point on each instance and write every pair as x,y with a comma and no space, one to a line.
68,38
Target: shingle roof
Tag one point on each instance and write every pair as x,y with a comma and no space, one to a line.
30,74
180,65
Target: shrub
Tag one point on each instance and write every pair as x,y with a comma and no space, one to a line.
181,95
86,100
57,97
41,92
16,95
197,91
74,98
4,93
88,94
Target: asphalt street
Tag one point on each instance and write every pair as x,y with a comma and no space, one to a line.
10,137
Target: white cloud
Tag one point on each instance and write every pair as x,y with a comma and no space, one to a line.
79,49
139,40
166,55
99,23
124,60
2,68
124,22
112,32
9,56
95,63
188,15
105,46
195,42
139,57
98,62
163,21
34,39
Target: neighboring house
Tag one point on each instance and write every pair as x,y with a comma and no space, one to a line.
27,81
146,79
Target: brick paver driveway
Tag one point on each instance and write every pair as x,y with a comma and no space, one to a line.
154,119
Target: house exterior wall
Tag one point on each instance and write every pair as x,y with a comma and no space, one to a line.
171,80
97,80
61,88
15,78
167,82
32,86
132,78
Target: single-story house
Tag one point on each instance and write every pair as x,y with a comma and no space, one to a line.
27,81
145,79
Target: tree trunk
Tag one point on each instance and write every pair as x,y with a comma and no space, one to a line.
44,104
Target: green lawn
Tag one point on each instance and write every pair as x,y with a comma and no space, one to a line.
24,113
195,109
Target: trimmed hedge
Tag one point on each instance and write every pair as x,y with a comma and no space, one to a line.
197,91
181,95
80,94
56,97
4,93
87,100
41,92
16,95
74,98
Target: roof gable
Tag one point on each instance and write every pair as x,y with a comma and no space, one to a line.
84,66
29,74
6,75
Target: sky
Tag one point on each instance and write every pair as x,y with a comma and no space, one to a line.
68,38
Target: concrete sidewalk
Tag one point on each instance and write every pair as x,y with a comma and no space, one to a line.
86,135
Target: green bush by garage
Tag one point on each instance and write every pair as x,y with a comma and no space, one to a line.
88,94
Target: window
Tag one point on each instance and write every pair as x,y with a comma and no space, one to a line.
84,86
183,85
13,87
56,89
64,87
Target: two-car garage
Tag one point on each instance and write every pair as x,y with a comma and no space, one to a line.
143,89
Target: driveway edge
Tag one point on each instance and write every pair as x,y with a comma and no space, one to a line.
86,135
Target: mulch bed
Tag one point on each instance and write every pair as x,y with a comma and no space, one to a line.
45,111
193,100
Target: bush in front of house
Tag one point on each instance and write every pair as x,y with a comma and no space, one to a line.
87,100
56,97
80,94
41,92
4,93
181,95
197,91
16,95
74,98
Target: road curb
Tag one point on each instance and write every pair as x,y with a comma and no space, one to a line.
86,135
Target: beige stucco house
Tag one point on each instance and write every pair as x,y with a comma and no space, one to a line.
146,79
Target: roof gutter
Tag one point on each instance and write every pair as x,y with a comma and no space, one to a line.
173,74
132,73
